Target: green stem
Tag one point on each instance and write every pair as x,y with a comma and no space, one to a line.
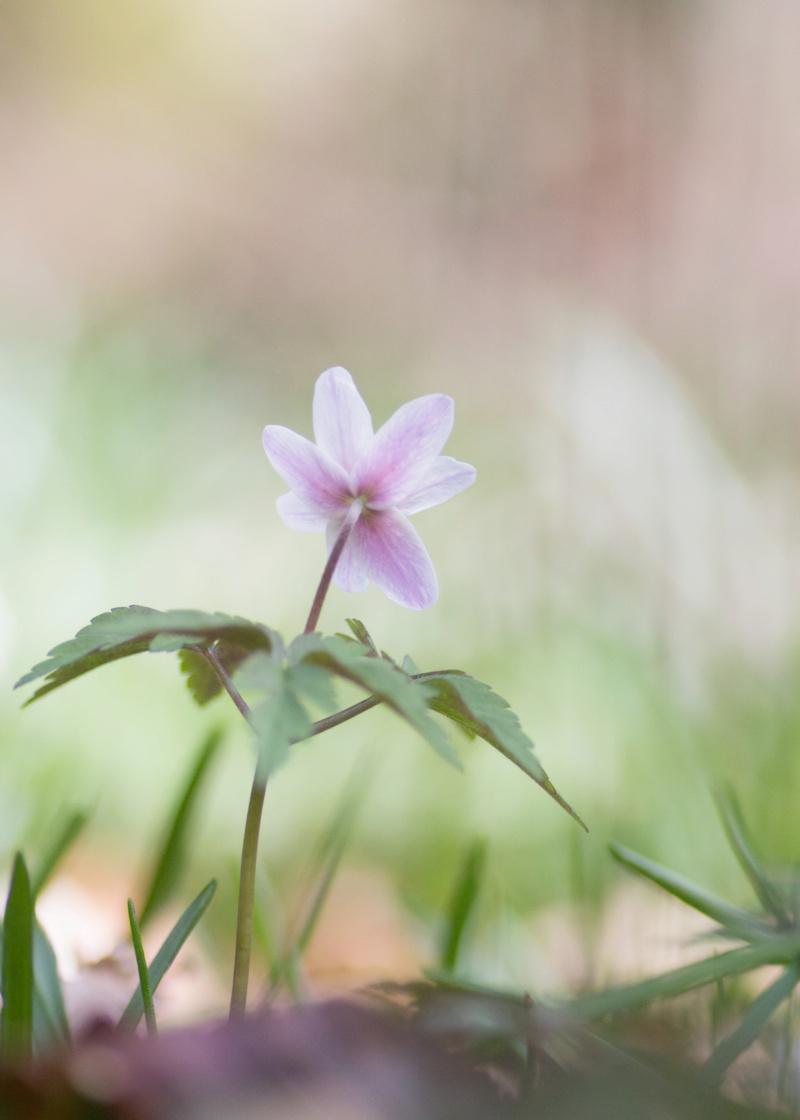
348,525
247,890
209,652
247,875
345,714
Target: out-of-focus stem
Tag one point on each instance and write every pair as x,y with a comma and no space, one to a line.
247,873
327,722
247,888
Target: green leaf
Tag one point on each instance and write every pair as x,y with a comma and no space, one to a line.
61,843
167,954
362,635
201,680
406,696
16,1027
759,1013
125,631
279,720
464,900
261,672
50,1021
171,859
479,711
736,831
314,682
144,975
171,643
736,921
770,950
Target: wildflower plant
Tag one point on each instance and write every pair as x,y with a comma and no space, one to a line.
359,486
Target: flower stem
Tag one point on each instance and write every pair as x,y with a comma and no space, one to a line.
247,890
247,874
348,525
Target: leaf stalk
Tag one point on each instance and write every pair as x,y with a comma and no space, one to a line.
209,653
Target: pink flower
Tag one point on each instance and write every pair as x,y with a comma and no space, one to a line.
393,472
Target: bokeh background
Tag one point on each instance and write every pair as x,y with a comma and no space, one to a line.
581,220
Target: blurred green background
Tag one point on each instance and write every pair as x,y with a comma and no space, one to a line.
579,219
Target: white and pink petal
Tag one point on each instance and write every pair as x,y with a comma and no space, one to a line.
394,558
306,469
403,448
342,422
298,514
444,478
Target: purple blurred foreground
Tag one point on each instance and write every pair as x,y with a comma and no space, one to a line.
343,1061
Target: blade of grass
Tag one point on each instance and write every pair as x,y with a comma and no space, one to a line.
787,1083
62,842
319,897
171,859
50,1023
762,1008
45,1035
736,831
269,928
47,992
331,847
16,1026
343,819
167,954
465,896
324,864
289,962
144,975
733,918
771,950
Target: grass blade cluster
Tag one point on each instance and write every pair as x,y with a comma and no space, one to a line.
464,900
735,920
170,861
63,840
172,945
761,1010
